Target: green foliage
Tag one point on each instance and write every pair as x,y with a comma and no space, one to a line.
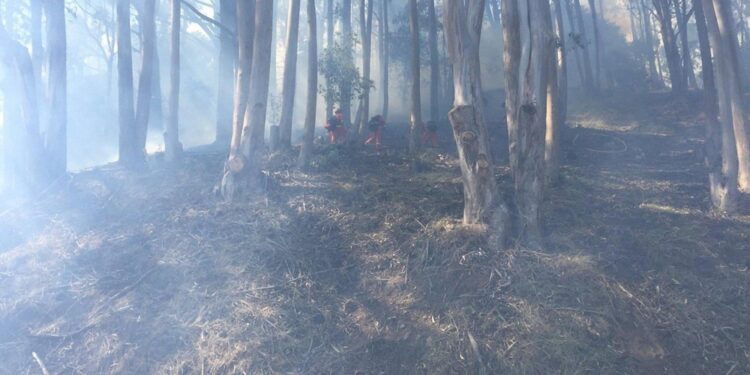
338,67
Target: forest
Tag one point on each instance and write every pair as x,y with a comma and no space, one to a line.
374,187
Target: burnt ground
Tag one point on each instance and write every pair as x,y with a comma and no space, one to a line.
359,267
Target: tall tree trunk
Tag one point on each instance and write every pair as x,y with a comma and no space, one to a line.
597,45
330,24
416,98
290,75
26,160
129,152
576,48
556,101
37,47
733,81
434,64
366,67
227,60
588,83
672,53
384,56
683,17
312,87
172,146
253,132
719,155
482,201
346,90
649,38
531,59
56,130
145,82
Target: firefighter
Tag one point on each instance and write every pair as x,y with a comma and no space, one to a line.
335,126
429,134
375,125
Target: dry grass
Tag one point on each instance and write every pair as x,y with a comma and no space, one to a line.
360,267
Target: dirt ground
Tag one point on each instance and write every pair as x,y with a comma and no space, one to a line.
359,266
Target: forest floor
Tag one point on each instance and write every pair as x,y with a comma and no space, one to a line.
359,267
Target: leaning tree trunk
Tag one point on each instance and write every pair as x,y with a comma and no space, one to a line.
530,57
731,67
366,67
290,75
227,59
434,64
57,89
719,155
482,201
312,87
416,99
145,82
129,153
172,146
384,55
244,166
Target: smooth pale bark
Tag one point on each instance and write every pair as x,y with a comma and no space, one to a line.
556,102
312,87
55,132
416,95
434,64
735,91
384,57
577,49
145,82
674,63
588,83
227,60
37,47
290,75
348,43
26,158
244,167
648,33
722,188
729,163
129,154
597,45
245,38
529,68
330,24
482,201
366,67
172,146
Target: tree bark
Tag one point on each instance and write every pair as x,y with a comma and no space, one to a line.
588,83
366,67
529,108
732,68
129,153
290,75
434,64
597,45
718,154
556,102
649,38
576,48
330,23
672,53
482,202
683,17
384,56
346,90
57,89
172,146
416,99
227,59
145,82
312,87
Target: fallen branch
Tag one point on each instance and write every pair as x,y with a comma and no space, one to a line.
40,363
